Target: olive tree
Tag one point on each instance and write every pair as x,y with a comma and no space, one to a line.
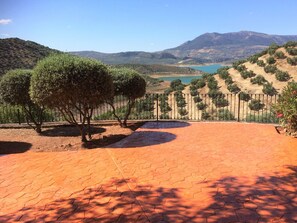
73,85
130,84
14,90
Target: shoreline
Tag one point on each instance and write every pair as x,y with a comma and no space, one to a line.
174,75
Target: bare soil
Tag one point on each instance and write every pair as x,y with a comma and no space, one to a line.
61,138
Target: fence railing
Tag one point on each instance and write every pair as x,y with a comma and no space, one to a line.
175,106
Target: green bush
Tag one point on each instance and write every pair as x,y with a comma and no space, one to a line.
261,63
286,108
292,51
270,60
272,48
269,89
282,76
193,92
176,85
182,111
269,117
225,114
292,61
215,93
241,68
259,79
256,105
238,63
14,90
197,99
233,88
280,55
247,74
201,106
229,80
223,72
290,44
220,102
244,96
213,84
270,69
205,115
72,85
253,59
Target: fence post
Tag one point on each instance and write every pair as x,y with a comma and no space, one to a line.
238,109
157,107
19,117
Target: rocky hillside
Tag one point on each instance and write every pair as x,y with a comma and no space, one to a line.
17,53
216,47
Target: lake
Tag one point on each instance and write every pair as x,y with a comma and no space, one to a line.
187,79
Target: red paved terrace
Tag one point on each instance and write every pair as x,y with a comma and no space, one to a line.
164,172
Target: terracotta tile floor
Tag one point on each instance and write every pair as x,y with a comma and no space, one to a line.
164,172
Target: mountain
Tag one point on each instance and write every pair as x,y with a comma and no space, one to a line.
207,48
134,57
17,53
216,47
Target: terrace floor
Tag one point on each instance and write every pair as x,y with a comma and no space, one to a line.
164,172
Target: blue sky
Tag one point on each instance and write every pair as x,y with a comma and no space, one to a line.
139,25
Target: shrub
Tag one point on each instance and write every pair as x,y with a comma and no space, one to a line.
244,96
269,89
290,44
270,60
181,103
256,105
241,68
270,69
182,111
233,88
197,99
282,76
130,84
73,85
263,118
247,74
272,48
253,59
238,63
280,55
193,92
205,115
286,108
292,51
292,61
261,63
229,80
259,79
215,93
223,72
177,85
201,106
213,84
225,114
220,102
14,90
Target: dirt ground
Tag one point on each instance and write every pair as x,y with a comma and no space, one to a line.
61,137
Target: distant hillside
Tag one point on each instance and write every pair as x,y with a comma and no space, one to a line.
130,57
158,69
267,72
17,53
216,47
207,48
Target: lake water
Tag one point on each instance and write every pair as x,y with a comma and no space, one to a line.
187,79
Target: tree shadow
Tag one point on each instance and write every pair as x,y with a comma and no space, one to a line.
165,125
144,138
69,131
271,198
110,202
11,147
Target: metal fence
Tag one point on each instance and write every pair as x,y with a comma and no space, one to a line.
175,106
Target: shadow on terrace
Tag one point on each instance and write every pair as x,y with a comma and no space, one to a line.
12,147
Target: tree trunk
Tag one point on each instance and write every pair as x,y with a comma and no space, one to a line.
38,128
131,103
89,127
83,133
